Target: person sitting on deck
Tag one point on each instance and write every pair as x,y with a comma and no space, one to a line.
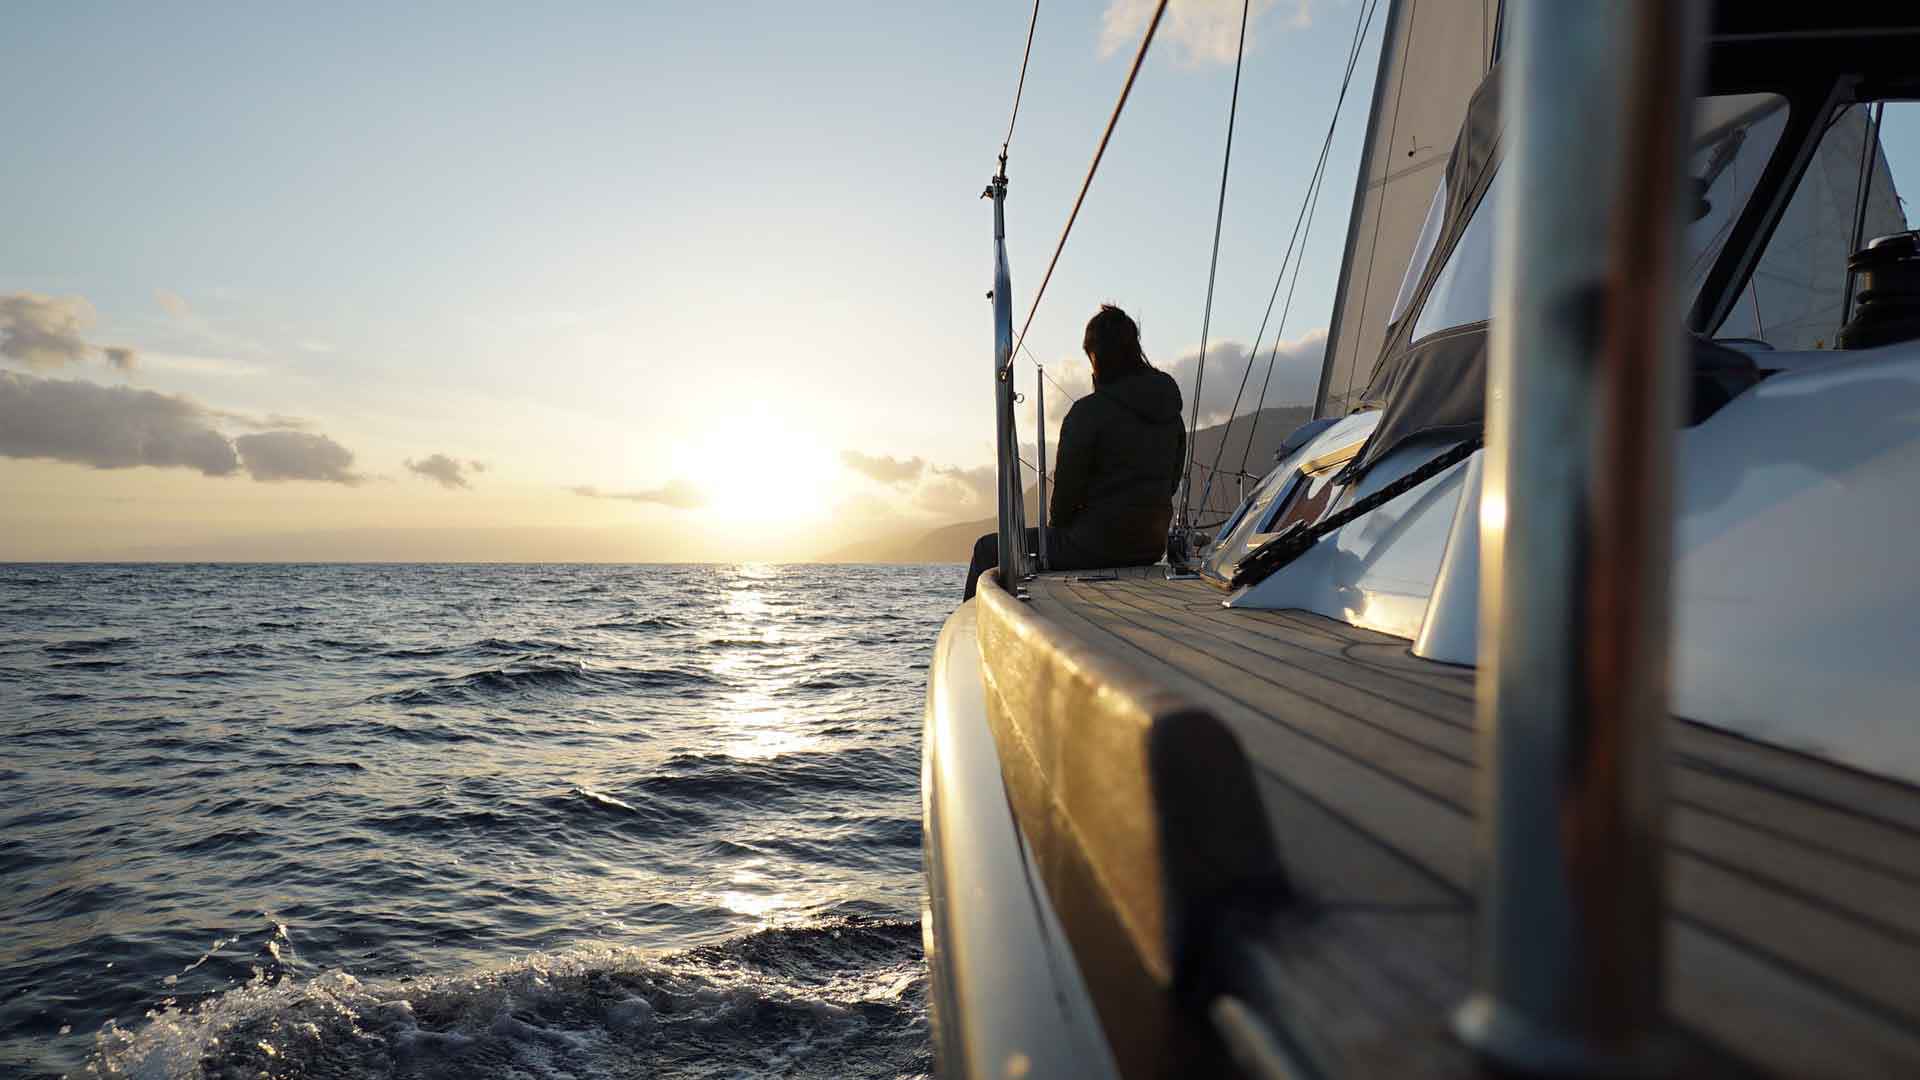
1122,449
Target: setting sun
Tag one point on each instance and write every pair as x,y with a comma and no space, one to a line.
760,469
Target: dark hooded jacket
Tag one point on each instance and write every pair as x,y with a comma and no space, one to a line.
1122,450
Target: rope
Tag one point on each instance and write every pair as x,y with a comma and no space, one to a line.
1100,151
1302,225
1021,86
1213,266
1297,539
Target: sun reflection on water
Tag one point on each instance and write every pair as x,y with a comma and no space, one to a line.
766,735
751,897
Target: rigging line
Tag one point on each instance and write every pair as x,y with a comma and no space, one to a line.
1213,264
1273,357
1139,58
1041,368
1308,200
1021,86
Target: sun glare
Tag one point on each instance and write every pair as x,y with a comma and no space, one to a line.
762,470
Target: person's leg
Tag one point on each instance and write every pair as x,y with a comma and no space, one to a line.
986,554
1064,554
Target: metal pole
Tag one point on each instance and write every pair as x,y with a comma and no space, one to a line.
1013,526
1040,429
1583,399
1862,191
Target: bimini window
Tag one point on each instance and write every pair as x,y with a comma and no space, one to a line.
1463,293
1737,133
1422,251
1860,178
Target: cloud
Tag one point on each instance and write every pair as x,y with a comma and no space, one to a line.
120,427
269,422
1296,378
108,427
947,490
274,456
884,469
676,493
217,366
175,304
957,489
44,331
445,471
1205,31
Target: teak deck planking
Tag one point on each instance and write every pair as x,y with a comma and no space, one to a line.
1794,884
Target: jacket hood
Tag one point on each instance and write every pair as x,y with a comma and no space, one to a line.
1151,395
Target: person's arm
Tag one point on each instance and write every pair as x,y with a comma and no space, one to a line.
1071,470
1180,461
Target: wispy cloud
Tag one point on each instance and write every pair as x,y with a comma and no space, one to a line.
45,332
250,422
204,329
175,304
1204,31
445,471
884,469
186,364
120,427
676,493
950,490
956,489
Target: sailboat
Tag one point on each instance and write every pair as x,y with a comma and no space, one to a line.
1548,707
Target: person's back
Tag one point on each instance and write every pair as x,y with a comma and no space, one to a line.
1122,450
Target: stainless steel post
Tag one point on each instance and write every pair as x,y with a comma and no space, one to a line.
1013,525
1862,191
1583,399
1040,439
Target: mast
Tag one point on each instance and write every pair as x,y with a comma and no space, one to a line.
1576,523
1013,525
1040,436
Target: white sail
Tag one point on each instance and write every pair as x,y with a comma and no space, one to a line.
1795,297
1433,55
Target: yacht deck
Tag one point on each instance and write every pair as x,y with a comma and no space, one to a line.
1794,884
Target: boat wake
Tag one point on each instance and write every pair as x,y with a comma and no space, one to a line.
842,998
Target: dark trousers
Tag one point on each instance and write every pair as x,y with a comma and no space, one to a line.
1061,555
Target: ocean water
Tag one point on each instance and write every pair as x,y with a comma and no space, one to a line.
463,821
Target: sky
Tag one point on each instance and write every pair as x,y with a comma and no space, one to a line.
698,278
618,281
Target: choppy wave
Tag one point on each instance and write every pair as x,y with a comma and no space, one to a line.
521,821
844,998
544,675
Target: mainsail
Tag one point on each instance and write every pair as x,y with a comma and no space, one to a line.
1432,57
